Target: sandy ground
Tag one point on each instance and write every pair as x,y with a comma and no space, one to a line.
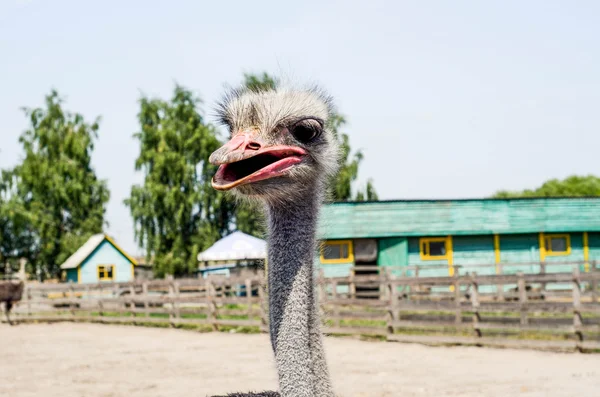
81,360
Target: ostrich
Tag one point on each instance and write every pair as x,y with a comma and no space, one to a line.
281,154
10,292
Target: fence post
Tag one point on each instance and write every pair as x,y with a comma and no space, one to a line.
100,303
577,320
594,282
212,305
72,298
336,306
29,297
457,300
171,295
475,305
263,305
145,297
543,271
176,304
394,308
351,284
115,294
522,298
132,298
322,295
500,287
384,278
87,294
248,284
417,287
322,285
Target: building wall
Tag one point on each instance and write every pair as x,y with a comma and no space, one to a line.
106,254
519,248
474,250
414,259
393,252
517,253
575,255
594,248
72,275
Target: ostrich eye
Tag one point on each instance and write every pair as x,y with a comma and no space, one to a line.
306,130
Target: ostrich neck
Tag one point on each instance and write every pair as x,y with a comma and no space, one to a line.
294,317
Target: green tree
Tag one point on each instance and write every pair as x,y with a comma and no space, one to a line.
249,218
16,237
259,82
341,185
53,201
176,211
573,186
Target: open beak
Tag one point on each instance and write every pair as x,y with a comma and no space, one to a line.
246,159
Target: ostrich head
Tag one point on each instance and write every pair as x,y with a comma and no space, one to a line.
279,146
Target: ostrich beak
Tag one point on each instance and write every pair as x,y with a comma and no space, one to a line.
246,159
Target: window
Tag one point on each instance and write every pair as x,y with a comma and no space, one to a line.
557,244
337,252
435,248
106,272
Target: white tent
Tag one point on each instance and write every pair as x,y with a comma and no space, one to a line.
237,246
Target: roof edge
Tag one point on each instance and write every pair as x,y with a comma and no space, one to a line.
118,248
448,200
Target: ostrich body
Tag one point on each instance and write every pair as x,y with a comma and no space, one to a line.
10,292
281,154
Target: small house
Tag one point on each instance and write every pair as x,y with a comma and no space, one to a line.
436,236
100,259
234,254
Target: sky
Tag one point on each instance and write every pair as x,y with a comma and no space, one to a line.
446,99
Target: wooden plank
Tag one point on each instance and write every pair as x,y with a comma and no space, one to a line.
431,324
354,331
505,343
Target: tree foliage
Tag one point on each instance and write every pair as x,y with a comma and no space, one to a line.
52,202
573,186
16,233
176,211
341,185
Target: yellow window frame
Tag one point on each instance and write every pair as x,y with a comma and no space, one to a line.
103,272
424,248
548,244
350,257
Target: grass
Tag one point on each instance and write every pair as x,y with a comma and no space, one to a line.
137,318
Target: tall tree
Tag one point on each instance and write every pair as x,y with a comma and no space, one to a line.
573,186
176,211
249,218
17,236
54,198
341,185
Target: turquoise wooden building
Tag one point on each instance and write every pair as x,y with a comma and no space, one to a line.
100,259
511,235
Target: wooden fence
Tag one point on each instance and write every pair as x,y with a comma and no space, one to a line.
542,310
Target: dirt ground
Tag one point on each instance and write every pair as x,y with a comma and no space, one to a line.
88,360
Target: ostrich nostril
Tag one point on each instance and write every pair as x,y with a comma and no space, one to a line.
253,146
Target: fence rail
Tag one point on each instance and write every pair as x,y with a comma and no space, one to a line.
542,310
